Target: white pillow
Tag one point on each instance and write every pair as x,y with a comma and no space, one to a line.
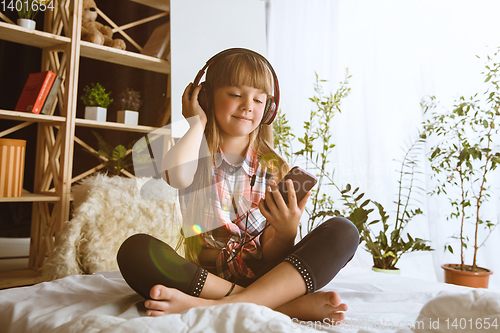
477,310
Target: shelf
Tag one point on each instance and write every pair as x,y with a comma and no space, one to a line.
17,34
125,58
18,278
28,116
31,197
120,127
54,159
163,5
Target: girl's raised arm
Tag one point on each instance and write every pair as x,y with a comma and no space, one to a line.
181,161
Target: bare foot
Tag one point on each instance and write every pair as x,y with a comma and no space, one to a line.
168,300
317,306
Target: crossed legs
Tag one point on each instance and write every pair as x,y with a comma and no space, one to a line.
283,288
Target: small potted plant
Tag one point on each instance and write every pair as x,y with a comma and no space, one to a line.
462,159
116,160
27,10
96,100
130,100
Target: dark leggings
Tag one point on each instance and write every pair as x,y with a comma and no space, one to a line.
145,261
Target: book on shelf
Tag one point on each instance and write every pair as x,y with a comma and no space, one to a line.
35,92
158,44
51,97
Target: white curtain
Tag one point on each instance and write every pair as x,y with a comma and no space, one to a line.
397,52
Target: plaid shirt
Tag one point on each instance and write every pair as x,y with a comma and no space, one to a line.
225,217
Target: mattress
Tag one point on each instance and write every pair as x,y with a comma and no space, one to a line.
377,302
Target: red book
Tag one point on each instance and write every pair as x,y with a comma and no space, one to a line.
35,92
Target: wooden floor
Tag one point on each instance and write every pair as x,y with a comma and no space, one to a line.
17,278
14,271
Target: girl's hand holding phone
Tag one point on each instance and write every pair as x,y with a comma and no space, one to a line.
282,217
191,107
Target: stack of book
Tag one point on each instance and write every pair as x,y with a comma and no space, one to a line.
158,44
39,93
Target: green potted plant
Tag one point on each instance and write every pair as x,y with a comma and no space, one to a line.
385,243
130,100
462,159
27,10
96,100
115,159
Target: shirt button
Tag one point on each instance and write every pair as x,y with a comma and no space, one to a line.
228,196
231,169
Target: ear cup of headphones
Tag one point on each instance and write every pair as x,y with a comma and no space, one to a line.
203,96
269,112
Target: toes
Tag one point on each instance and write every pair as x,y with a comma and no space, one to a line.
341,307
156,309
152,313
160,292
337,316
333,298
156,306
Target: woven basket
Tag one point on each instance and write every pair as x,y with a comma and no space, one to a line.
12,153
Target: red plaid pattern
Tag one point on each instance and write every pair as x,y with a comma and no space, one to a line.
227,217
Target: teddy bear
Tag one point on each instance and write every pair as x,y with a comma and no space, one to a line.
96,32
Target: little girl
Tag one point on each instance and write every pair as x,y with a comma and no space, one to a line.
239,251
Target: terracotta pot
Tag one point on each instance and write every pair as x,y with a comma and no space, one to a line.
387,271
465,278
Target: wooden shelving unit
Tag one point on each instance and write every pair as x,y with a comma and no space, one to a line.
13,33
119,127
31,117
163,5
61,51
126,58
32,197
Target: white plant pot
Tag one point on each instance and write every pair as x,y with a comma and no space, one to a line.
128,117
95,113
26,23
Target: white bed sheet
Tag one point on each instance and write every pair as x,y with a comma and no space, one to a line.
104,303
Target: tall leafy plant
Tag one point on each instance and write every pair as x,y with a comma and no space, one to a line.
317,133
465,155
383,240
282,135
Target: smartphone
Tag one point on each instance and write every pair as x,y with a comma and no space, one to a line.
303,182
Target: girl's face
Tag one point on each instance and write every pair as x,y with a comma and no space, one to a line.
239,109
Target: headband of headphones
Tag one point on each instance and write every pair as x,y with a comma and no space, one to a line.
272,103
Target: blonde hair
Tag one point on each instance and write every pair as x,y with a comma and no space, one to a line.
232,70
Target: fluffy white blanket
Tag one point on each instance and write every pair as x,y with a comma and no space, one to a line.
107,210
